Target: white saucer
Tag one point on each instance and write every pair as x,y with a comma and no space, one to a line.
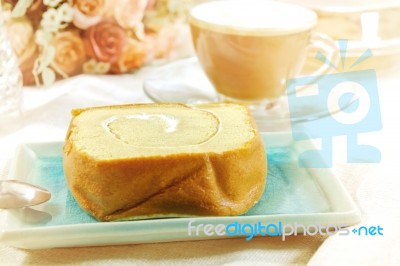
183,81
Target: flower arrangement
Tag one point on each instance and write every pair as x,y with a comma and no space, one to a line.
56,39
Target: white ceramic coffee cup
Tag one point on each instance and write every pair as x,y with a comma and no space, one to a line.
249,48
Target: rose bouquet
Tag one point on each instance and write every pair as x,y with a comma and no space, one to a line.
56,39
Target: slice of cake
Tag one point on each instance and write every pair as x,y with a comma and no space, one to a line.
164,160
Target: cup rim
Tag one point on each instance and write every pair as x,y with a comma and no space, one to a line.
308,24
343,7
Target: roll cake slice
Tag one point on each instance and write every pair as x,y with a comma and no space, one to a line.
144,161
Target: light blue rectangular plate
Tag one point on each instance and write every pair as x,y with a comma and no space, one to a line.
293,195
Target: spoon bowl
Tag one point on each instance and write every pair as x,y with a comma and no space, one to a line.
16,194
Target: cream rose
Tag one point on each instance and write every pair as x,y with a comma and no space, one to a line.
108,10
22,40
82,21
105,41
128,13
69,52
90,7
88,12
20,33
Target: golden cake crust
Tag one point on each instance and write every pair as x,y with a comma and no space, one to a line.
188,181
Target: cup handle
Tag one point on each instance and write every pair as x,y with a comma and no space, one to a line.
327,52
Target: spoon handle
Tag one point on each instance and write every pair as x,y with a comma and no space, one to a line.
18,194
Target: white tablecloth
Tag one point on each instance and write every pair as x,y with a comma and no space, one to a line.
374,187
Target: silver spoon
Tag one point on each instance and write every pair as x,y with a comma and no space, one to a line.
17,194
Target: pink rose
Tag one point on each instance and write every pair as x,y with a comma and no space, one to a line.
151,4
164,41
105,41
134,56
